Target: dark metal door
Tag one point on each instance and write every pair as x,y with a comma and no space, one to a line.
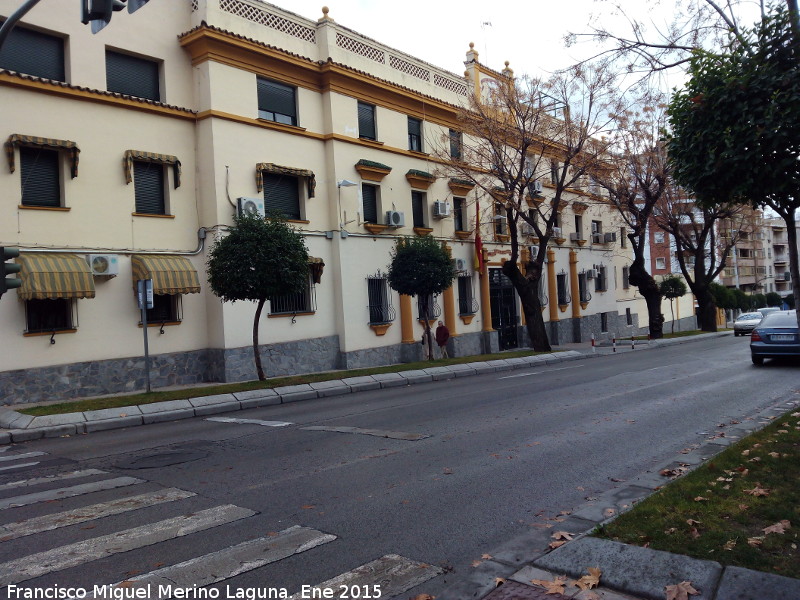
503,299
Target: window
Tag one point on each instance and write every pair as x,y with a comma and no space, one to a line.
434,311
554,172
623,237
500,220
33,53
604,322
277,102
626,275
369,195
597,227
366,121
601,280
282,194
414,134
579,226
48,315
456,144
40,176
304,301
380,301
661,263
418,208
583,290
628,316
562,288
658,237
166,309
466,301
458,213
148,183
126,74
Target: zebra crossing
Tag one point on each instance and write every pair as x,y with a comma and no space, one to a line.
46,519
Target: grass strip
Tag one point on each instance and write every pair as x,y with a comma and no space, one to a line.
228,388
742,508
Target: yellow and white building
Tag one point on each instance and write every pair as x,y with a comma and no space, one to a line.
129,151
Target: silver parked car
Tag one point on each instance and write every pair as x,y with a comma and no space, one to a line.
746,322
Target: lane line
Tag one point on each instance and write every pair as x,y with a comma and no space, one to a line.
536,372
19,456
395,435
223,564
51,478
79,553
393,574
68,492
19,529
20,466
249,421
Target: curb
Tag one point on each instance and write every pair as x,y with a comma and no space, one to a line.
22,428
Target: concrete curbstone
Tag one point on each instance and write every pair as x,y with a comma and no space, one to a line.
440,373
213,409
5,438
416,376
54,420
54,431
499,365
256,394
16,420
171,406
335,387
743,584
117,423
105,414
211,400
25,435
294,397
168,415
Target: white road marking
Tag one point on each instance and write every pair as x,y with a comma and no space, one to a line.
249,421
20,466
395,435
72,555
537,372
51,478
68,492
392,574
224,564
19,529
19,456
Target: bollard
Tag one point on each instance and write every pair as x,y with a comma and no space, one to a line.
614,343
633,342
594,348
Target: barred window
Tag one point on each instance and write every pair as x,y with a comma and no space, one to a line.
428,302
626,276
563,289
601,280
467,304
304,301
380,300
50,315
583,289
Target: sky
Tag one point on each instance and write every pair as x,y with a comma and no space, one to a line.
529,34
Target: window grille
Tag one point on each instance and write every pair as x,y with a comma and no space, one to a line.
429,302
379,297
562,287
304,301
409,68
467,305
360,48
51,315
583,289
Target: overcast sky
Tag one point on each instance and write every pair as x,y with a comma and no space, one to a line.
529,34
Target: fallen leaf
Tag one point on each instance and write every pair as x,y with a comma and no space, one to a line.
744,506
729,545
775,454
423,597
556,586
591,580
779,527
670,531
562,535
700,499
680,591
745,452
499,581
694,533
447,471
693,522
486,556
554,545
308,507
757,491
755,541
783,431
476,563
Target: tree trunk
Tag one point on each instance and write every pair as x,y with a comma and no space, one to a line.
672,312
648,288
426,324
794,269
707,309
528,292
256,353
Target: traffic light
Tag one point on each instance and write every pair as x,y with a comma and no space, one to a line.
8,268
98,12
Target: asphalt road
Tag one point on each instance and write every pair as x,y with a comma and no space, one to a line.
503,453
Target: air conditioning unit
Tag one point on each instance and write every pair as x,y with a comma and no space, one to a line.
103,264
535,188
590,273
441,209
597,238
610,237
250,207
557,232
460,264
527,229
395,218
575,236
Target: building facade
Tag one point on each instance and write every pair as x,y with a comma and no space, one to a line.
130,151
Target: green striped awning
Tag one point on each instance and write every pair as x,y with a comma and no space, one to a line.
291,171
171,274
53,276
141,155
17,139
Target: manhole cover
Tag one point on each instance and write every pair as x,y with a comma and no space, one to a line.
511,590
165,459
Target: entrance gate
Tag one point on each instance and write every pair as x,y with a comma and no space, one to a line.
503,299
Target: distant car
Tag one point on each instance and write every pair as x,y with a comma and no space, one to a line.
776,336
746,322
765,311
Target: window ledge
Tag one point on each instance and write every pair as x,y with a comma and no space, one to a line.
283,126
423,231
419,153
467,319
135,214
463,235
380,329
290,315
370,142
375,228
160,324
48,333
301,221
50,208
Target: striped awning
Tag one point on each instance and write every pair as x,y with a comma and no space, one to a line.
17,139
171,274
279,170
53,276
140,155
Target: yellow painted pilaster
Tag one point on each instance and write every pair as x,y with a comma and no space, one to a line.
486,306
573,282
552,288
406,320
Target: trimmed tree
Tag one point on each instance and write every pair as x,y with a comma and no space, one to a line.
672,287
259,259
421,267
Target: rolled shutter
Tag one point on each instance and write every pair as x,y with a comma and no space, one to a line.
369,193
34,53
132,76
281,194
277,98
148,183
41,184
366,121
